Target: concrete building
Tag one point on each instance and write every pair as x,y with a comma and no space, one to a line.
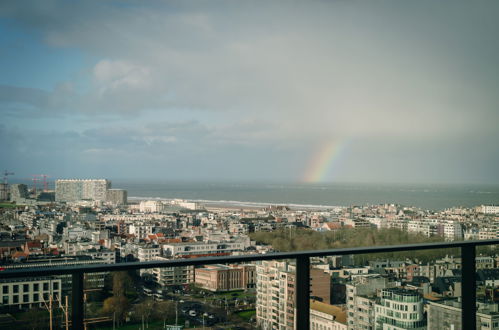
151,206
327,317
275,298
446,315
399,309
140,230
27,293
18,192
198,249
360,299
117,197
488,209
4,191
166,276
226,277
74,190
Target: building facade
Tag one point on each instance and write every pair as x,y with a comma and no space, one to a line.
117,197
275,293
226,277
74,190
398,309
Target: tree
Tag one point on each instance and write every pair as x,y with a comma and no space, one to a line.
116,305
164,310
144,310
121,282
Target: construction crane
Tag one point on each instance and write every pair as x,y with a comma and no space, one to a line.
35,180
45,183
5,174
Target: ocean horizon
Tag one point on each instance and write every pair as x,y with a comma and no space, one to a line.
426,196
429,197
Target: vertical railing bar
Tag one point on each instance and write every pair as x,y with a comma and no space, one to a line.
77,301
302,293
468,287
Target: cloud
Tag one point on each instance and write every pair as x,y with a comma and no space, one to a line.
224,77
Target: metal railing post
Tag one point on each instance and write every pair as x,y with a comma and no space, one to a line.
468,287
302,293
77,301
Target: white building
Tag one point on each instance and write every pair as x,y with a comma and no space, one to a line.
74,190
140,230
116,197
166,276
30,292
151,206
399,309
360,299
488,209
178,250
327,317
275,307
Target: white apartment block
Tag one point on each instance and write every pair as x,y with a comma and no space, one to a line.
327,317
275,295
140,230
488,209
178,250
398,309
30,292
116,197
452,230
74,190
151,206
166,276
360,300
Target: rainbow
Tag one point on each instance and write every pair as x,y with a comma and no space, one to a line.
323,161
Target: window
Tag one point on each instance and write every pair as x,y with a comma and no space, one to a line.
36,297
5,289
15,288
5,300
25,298
55,285
25,287
36,287
15,299
45,286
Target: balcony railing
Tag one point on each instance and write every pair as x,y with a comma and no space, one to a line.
302,302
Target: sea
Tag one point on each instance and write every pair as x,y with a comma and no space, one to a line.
309,195
429,197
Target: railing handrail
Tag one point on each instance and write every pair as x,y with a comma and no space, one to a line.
61,270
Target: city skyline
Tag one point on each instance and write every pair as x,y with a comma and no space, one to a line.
319,92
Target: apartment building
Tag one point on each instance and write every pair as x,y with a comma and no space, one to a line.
166,276
74,190
30,292
446,315
327,317
275,299
116,197
140,230
197,249
361,295
399,309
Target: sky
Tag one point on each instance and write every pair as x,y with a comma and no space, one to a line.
285,91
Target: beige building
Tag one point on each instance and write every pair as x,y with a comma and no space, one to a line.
226,278
275,298
327,317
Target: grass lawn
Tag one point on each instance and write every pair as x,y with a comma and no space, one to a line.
8,205
246,315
